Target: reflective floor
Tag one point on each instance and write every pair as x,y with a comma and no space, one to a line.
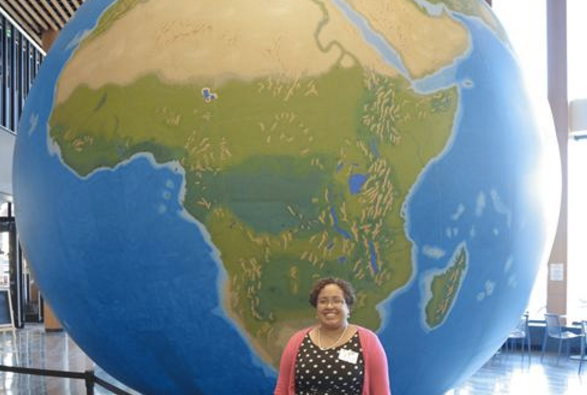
505,373
509,373
32,347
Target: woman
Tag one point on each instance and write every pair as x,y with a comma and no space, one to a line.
333,357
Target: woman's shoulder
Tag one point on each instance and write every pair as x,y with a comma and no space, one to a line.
298,336
365,331
367,336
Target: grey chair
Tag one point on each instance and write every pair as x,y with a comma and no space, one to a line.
521,335
554,329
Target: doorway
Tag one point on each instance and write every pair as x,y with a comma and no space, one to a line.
27,303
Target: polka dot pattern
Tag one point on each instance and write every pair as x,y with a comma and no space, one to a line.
321,372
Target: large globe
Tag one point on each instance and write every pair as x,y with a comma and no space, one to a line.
186,169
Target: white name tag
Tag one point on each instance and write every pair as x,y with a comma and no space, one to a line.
349,356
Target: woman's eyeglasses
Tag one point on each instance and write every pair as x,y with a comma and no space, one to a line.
333,301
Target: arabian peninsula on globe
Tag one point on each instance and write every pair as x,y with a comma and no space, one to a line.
209,160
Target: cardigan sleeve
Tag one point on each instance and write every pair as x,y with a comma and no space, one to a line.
285,380
378,369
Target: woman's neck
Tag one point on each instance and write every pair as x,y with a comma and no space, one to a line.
331,337
331,331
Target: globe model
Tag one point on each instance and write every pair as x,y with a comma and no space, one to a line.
186,169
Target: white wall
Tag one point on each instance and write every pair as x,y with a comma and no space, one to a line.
6,152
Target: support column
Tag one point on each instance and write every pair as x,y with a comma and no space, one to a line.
557,97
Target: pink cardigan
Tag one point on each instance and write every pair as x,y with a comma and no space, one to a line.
376,378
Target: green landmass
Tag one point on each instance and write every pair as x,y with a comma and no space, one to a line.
444,288
267,167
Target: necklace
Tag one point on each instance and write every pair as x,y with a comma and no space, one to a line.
333,344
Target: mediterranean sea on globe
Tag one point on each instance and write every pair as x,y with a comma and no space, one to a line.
186,169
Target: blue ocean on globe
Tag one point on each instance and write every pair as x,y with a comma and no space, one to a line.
138,282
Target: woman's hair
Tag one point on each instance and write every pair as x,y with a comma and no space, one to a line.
347,289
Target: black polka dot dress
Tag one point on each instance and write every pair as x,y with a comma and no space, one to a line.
336,371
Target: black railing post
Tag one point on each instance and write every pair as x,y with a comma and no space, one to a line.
89,379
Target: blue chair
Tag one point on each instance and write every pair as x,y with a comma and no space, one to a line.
521,335
554,329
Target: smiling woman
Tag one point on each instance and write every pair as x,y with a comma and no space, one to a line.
334,355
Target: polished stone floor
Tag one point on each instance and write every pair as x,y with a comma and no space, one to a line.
505,373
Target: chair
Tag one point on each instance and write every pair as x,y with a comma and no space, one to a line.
583,343
521,334
554,329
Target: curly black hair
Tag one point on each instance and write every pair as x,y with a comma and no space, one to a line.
347,289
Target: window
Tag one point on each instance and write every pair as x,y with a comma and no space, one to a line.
3,208
16,71
4,247
577,156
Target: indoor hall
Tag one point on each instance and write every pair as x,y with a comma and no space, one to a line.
459,314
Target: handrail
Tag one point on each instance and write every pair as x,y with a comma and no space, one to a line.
88,376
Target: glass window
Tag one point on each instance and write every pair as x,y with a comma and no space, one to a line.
577,231
3,208
577,156
4,247
577,57
4,265
19,63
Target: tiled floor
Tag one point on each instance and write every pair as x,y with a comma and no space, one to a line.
506,373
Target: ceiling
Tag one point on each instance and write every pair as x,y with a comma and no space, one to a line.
37,16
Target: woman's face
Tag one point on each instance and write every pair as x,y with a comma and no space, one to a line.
332,309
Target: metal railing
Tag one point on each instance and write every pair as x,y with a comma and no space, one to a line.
88,376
